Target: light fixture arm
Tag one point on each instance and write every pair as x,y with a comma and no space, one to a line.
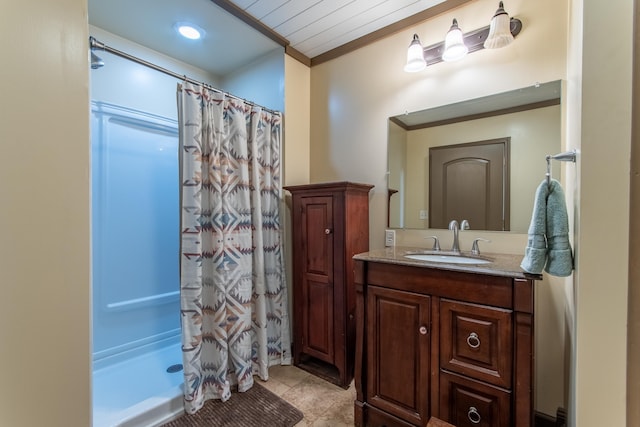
474,40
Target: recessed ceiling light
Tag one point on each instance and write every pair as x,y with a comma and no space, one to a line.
189,31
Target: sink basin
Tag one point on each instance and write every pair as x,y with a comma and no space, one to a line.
450,259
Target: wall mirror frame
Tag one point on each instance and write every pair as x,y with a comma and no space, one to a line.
530,117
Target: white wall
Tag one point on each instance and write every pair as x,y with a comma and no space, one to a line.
124,82
261,82
44,214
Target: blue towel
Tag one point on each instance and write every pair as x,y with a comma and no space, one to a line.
548,245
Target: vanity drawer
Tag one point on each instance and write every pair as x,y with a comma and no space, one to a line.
469,403
476,341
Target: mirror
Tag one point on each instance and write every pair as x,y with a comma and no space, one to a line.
530,117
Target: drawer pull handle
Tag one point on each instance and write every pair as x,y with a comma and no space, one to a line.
327,231
474,415
423,330
473,340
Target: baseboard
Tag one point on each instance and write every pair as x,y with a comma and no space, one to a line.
544,420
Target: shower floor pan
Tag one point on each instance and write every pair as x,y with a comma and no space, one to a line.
139,391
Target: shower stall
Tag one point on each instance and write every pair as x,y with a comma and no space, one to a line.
135,232
136,329
137,359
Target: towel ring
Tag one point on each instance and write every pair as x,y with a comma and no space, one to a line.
567,156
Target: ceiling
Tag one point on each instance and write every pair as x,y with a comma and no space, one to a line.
311,27
314,27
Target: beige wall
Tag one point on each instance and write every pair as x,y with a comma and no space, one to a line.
297,81
352,97
44,214
600,127
296,122
633,336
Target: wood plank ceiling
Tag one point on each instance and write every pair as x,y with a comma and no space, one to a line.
320,30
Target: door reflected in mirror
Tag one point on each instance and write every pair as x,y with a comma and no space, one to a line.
529,118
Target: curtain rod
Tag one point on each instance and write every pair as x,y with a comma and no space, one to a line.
95,44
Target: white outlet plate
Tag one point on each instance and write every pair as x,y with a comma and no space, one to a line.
390,238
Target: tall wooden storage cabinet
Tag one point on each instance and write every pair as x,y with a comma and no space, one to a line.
330,224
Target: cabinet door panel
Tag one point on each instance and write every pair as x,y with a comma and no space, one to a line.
317,219
317,275
318,322
398,353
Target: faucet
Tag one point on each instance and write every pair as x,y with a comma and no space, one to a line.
436,243
475,249
453,226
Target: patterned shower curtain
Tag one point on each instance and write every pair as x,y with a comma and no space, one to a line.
233,291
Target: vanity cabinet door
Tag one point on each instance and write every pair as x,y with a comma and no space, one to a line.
468,403
398,353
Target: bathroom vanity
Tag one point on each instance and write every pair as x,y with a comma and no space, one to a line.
452,341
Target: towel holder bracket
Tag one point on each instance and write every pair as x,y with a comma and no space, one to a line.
567,156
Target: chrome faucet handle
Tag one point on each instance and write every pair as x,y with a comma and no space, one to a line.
464,225
475,249
436,242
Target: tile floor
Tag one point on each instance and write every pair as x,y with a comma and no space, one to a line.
322,403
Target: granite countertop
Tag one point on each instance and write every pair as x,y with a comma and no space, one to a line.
507,265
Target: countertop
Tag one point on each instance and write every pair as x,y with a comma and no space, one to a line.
506,265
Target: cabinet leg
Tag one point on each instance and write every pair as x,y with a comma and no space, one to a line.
358,413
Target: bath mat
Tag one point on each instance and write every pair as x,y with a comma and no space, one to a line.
257,407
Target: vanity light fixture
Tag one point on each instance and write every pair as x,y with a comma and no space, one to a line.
415,56
454,47
457,44
499,31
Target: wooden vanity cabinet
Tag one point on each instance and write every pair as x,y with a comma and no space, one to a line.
431,342
330,224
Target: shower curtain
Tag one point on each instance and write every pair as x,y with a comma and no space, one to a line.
233,292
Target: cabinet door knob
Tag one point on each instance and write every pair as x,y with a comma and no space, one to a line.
473,340
474,415
327,231
423,330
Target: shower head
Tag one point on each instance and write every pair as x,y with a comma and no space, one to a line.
96,61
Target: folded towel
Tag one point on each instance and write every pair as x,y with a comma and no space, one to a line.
559,256
548,246
535,255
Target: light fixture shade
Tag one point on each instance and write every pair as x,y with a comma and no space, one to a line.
500,30
454,47
415,56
